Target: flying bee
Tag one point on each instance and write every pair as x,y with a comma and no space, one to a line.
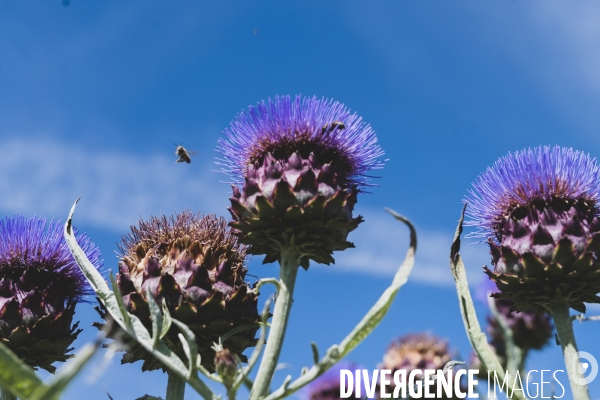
183,154
334,125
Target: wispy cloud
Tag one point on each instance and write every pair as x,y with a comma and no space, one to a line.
381,243
44,177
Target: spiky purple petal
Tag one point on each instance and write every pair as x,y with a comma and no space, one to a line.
34,243
541,173
303,121
40,284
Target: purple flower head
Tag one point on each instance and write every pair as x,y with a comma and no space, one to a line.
305,125
539,211
40,284
530,330
327,386
522,178
34,257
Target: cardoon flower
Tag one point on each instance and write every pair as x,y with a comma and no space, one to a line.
40,284
196,266
297,167
530,331
327,386
417,351
538,210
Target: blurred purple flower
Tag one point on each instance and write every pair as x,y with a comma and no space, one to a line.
327,386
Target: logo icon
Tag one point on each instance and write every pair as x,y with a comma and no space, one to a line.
584,362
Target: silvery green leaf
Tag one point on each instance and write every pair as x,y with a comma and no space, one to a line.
478,340
515,356
189,344
66,374
315,352
167,320
16,376
364,327
119,298
157,318
381,307
186,347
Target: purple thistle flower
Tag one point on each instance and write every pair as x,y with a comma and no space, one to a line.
40,283
299,165
305,125
417,351
529,330
523,177
327,386
194,266
539,210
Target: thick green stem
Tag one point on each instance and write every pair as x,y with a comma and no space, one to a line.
231,394
6,395
175,387
289,263
559,307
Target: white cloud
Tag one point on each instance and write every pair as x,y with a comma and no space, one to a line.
381,243
44,177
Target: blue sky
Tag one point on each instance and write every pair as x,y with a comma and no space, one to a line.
93,96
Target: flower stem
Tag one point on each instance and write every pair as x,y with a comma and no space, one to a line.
289,263
559,307
175,387
6,395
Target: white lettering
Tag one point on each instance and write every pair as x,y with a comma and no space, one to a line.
517,377
460,394
557,381
346,387
400,385
412,386
370,384
428,383
444,382
357,385
534,384
384,383
542,383
472,383
497,383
